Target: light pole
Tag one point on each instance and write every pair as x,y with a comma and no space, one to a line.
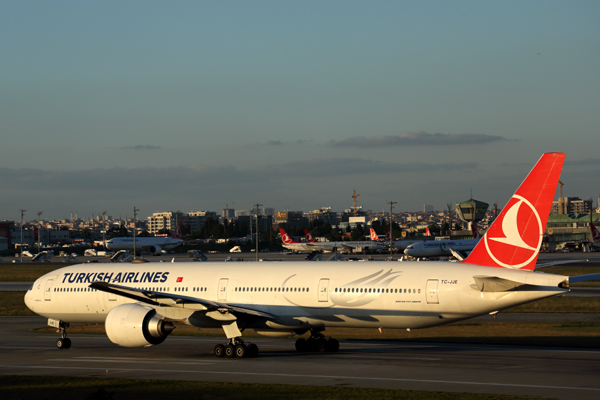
391,203
39,231
257,206
135,210
21,247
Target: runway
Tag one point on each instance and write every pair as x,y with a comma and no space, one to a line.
548,372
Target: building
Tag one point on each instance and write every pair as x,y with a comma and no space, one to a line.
571,205
195,220
164,220
323,214
428,208
290,219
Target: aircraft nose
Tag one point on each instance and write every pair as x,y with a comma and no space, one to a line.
29,298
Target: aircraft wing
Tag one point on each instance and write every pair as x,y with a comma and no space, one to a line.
175,300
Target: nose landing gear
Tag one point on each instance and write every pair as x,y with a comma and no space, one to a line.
64,342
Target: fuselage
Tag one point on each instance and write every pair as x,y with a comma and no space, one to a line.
126,243
439,248
345,245
300,295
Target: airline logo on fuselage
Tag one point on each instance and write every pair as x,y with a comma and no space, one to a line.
115,277
518,236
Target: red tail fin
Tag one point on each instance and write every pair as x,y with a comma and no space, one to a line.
176,234
388,235
514,239
374,236
427,231
309,237
476,234
285,238
595,233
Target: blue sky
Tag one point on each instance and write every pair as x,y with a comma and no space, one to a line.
195,105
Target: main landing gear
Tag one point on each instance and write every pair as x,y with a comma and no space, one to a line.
236,348
64,342
317,343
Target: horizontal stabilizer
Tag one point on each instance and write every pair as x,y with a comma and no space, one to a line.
456,254
496,284
553,263
583,278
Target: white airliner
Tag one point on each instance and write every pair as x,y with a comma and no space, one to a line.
443,248
395,243
153,245
138,303
290,244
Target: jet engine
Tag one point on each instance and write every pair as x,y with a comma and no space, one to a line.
155,249
135,325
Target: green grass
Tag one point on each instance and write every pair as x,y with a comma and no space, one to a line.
26,272
89,388
12,304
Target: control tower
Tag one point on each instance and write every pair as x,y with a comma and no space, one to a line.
471,211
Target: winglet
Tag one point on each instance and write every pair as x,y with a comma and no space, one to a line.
514,239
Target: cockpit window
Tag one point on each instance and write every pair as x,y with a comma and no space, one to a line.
30,287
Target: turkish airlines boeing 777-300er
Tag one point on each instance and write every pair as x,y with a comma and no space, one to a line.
138,303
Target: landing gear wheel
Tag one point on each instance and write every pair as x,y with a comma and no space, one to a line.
332,345
60,343
252,350
67,343
219,350
321,345
229,351
241,351
301,345
311,344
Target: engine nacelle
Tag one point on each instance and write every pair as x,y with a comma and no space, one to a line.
135,325
155,249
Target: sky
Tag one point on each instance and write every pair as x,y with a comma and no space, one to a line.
203,105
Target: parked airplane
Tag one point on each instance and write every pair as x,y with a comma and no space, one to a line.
396,244
138,303
290,244
309,237
153,245
444,248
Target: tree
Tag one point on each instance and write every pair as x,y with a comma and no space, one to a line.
358,233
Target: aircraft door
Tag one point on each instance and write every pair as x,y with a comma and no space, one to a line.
323,291
48,290
432,291
222,290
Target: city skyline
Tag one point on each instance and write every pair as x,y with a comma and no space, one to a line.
196,105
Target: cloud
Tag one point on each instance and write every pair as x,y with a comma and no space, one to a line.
142,147
585,162
59,192
358,166
419,138
282,143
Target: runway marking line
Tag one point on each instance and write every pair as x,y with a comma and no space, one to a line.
354,378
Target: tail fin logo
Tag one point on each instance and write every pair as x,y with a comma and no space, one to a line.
595,233
286,238
516,241
309,237
374,236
